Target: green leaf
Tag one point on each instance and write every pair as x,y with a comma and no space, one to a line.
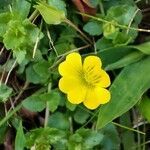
43,137
34,103
5,92
81,116
4,19
53,99
93,28
111,139
144,107
84,139
14,37
50,14
104,43
70,106
59,4
128,139
38,72
115,53
122,39
22,7
3,131
122,14
41,68
144,47
20,138
75,141
4,5
90,138
59,121
126,60
19,55
126,91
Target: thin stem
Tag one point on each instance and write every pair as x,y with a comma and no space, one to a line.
115,24
129,25
21,91
102,8
47,107
3,73
135,147
125,127
46,114
10,114
71,124
63,55
2,49
14,64
34,15
37,40
77,29
75,50
51,41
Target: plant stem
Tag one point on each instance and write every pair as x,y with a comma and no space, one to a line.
12,67
34,15
102,8
115,24
47,108
10,114
125,127
2,49
77,29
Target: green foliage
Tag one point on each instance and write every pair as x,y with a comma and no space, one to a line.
5,92
144,107
126,60
93,28
124,94
38,72
111,139
84,139
35,37
122,14
81,116
58,120
42,138
37,102
4,19
51,14
22,7
20,138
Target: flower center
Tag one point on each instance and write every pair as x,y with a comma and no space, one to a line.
90,76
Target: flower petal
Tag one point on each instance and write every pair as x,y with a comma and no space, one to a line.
77,95
74,89
67,84
95,97
92,62
104,79
71,66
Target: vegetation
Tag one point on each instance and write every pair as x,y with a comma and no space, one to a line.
38,38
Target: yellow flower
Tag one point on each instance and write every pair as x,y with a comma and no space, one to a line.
84,82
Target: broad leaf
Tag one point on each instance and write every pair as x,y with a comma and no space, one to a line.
126,91
20,138
22,7
50,14
126,60
93,28
144,47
